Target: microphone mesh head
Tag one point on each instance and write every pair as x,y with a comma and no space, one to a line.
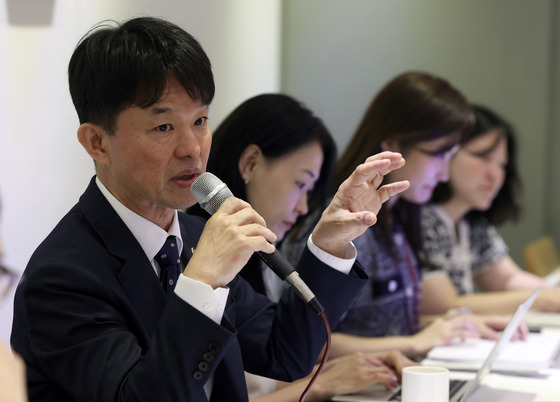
203,189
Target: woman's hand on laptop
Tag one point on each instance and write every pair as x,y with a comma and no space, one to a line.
442,331
490,326
352,373
395,360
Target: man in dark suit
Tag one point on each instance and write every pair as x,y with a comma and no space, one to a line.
93,321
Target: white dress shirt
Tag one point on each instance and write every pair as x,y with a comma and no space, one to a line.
210,302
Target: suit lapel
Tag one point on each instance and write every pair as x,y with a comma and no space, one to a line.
143,289
136,275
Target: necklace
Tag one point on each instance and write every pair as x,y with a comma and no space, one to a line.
413,313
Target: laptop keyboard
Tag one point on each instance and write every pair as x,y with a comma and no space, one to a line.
454,387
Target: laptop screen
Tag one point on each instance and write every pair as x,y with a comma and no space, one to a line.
506,335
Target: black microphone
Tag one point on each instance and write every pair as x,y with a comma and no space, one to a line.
210,192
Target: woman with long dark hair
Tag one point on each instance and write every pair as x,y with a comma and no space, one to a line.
424,118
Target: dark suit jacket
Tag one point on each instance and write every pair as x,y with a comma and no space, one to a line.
93,324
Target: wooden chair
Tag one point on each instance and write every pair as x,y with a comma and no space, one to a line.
541,256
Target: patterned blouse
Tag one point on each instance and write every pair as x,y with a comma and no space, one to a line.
388,305
461,253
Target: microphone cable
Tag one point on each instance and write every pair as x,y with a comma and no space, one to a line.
323,360
210,192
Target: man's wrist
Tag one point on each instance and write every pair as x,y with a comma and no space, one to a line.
343,265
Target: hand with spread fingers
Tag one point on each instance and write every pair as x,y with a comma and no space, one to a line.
355,205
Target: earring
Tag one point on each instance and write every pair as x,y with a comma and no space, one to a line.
246,181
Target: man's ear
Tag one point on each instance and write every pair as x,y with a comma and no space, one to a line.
248,160
390,145
94,139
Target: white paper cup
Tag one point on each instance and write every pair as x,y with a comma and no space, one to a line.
422,384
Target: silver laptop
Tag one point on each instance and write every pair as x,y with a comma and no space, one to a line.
462,390
536,320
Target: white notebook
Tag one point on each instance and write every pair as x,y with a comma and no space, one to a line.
538,352
537,320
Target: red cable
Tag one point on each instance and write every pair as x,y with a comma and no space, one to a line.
323,360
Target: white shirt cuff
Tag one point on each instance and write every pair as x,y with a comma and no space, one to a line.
343,265
202,297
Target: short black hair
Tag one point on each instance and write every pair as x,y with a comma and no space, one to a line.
116,66
278,124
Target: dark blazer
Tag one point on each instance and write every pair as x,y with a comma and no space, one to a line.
93,324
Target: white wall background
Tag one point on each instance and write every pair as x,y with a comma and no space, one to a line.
43,169
335,57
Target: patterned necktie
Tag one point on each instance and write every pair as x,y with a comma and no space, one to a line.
170,264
